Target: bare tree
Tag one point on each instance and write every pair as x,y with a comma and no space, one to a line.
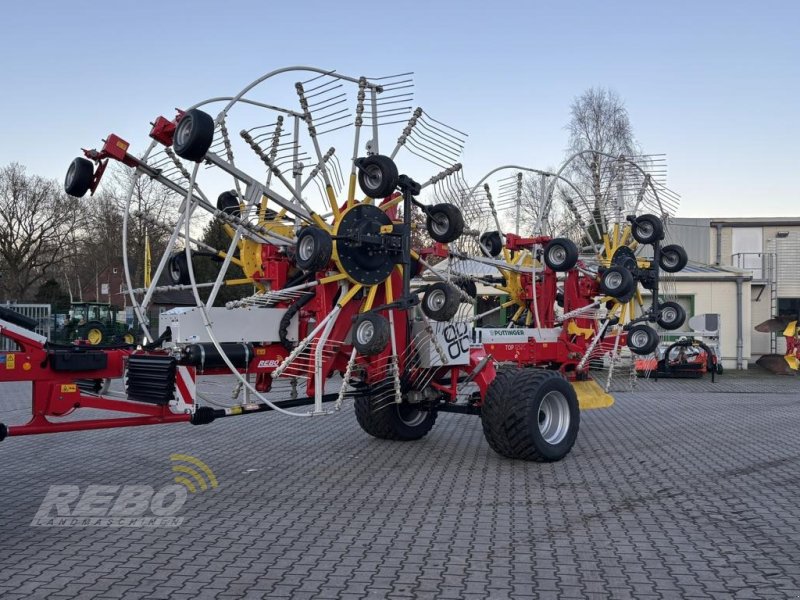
38,230
599,129
560,220
153,211
101,235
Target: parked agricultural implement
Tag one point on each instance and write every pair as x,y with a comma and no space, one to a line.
789,362
330,313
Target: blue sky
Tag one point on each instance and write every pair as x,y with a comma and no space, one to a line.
714,85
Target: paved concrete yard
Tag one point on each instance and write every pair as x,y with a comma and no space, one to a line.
684,489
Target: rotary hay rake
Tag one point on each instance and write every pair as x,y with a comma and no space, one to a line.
331,303
577,293
332,314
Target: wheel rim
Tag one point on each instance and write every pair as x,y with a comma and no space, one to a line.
365,332
639,339
409,415
557,255
440,224
670,259
613,280
94,336
306,248
436,300
183,131
645,229
669,315
373,176
128,338
174,271
554,417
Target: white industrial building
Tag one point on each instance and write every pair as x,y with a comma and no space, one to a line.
757,257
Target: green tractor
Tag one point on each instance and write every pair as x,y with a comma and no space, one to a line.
95,323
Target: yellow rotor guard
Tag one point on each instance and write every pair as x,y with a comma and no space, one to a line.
591,395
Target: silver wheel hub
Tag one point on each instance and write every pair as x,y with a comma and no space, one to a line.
365,332
639,339
184,130
436,300
410,416
645,229
669,315
306,248
440,223
557,255
554,417
613,280
374,175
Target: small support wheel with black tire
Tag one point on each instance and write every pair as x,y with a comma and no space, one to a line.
491,243
642,339
560,254
377,175
228,202
79,177
129,338
671,315
647,229
445,222
314,248
531,414
193,135
672,258
440,301
617,282
380,416
371,334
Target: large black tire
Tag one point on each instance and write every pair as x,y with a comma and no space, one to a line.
642,339
560,254
531,414
179,269
377,176
647,229
673,258
371,334
228,202
79,177
445,222
380,416
193,135
314,248
491,243
671,315
617,282
440,301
